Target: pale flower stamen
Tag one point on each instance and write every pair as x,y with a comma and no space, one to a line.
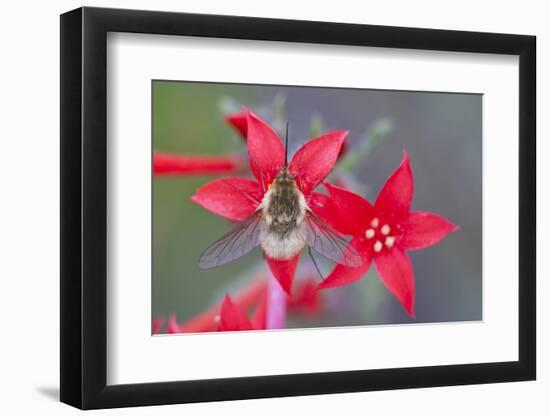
385,229
378,246
375,222
390,240
369,234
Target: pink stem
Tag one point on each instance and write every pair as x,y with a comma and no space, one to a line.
276,305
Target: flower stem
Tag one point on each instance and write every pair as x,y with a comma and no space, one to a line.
174,165
276,305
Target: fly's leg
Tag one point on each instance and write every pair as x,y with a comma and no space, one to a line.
315,263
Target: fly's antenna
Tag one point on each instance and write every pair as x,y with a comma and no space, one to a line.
286,145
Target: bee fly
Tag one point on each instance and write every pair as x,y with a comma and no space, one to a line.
283,225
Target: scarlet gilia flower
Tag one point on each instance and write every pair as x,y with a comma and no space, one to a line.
170,164
252,295
232,318
384,232
279,209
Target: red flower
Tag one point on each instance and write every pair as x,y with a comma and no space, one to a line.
169,164
207,321
232,318
383,232
239,198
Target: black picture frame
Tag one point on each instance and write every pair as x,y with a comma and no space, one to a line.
84,207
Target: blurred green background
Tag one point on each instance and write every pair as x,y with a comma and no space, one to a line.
441,132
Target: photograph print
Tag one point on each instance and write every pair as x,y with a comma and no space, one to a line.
294,207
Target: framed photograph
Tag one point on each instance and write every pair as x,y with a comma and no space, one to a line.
258,208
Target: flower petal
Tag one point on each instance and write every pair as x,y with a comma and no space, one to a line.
232,198
344,275
396,195
395,269
306,298
239,121
354,211
422,229
258,321
170,164
232,318
315,159
343,150
284,270
265,149
323,206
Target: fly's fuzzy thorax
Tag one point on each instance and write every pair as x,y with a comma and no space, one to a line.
284,205
282,235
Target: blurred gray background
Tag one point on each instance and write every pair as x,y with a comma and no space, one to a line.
441,132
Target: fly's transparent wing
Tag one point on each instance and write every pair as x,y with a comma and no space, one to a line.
325,240
237,242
